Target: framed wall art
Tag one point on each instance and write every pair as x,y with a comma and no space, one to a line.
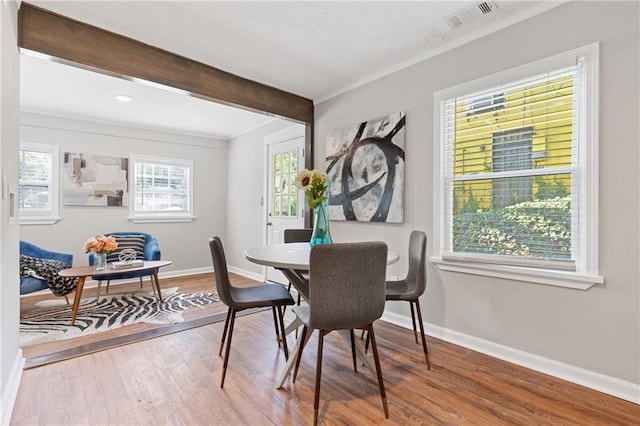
95,180
365,163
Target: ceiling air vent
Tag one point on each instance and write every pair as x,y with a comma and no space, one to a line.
470,13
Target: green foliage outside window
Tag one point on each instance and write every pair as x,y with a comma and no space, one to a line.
532,229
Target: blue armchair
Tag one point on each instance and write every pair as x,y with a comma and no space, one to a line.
30,284
151,251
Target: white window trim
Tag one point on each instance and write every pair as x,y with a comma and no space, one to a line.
32,218
161,217
586,274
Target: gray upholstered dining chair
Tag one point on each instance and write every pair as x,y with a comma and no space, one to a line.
346,292
413,285
301,235
240,298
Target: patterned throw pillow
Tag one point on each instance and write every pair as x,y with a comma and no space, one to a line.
133,241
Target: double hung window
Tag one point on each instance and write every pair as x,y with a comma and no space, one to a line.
162,189
38,183
517,173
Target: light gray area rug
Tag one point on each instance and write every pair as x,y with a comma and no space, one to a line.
51,320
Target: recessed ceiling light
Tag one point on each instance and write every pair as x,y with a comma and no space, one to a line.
123,98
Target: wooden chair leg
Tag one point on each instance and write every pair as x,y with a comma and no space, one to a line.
424,341
316,399
353,350
413,321
66,298
282,334
366,344
224,332
141,282
154,284
108,282
302,337
226,352
275,322
378,371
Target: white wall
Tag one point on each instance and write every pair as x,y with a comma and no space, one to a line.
186,244
245,214
597,331
10,353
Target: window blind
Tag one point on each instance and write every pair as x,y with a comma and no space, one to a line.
35,180
510,164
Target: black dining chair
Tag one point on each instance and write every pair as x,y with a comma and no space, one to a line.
240,298
346,292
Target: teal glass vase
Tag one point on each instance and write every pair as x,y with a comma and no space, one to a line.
321,233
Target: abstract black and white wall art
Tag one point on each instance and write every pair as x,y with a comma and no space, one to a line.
365,163
95,180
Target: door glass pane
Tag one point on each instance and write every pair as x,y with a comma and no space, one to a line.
285,197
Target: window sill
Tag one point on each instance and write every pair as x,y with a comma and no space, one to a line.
44,220
530,275
160,219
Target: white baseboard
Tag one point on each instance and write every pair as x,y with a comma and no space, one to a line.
11,389
610,385
248,274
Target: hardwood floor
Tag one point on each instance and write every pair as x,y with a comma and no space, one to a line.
174,379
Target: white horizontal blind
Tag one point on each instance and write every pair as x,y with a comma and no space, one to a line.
35,179
161,187
510,172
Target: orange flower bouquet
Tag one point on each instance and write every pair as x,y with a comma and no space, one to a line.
100,244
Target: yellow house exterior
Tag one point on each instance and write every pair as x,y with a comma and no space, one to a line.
506,143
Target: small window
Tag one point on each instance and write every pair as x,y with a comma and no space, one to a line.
518,178
162,190
285,192
38,183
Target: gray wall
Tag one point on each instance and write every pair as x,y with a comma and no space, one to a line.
10,353
245,214
598,329
79,222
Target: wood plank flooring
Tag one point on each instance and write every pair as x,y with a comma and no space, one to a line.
174,379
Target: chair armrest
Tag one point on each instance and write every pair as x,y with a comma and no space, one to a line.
151,249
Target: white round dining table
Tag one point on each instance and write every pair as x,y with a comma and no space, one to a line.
291,256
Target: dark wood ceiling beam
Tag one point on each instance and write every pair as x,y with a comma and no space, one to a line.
61,37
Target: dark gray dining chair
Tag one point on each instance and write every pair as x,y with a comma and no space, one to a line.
346,292
302,235
413,285
240,298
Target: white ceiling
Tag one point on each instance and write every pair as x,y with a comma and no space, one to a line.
313,49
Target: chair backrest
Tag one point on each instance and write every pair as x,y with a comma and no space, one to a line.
223,284
298,235
346,284
32,250
417,274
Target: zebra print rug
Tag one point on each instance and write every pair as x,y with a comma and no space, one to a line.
52,319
